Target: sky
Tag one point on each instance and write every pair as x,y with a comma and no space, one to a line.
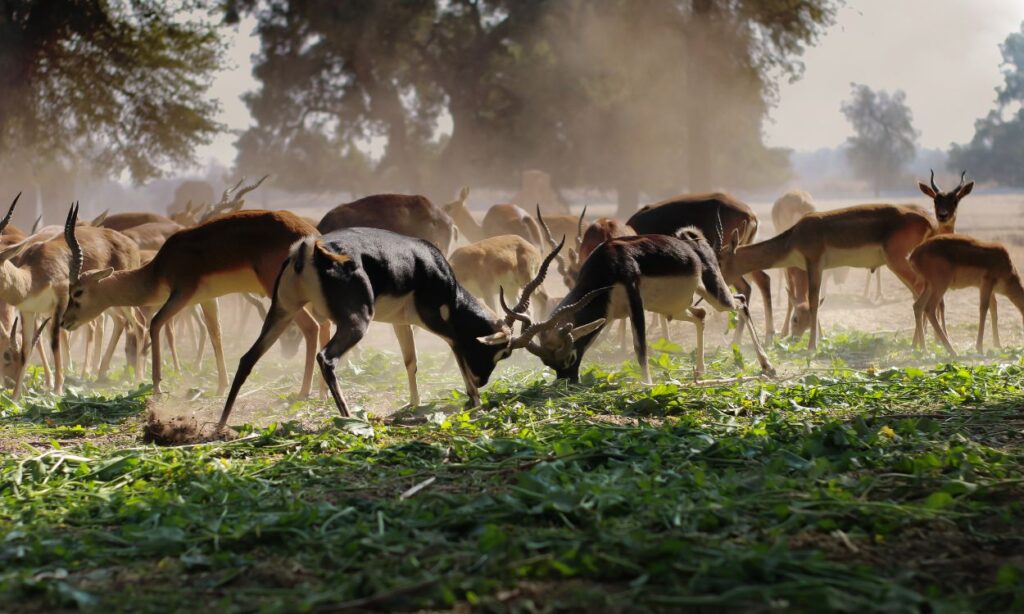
943,53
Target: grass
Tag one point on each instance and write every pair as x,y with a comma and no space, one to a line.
846,487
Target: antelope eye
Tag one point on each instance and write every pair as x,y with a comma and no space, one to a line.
7,356
78,293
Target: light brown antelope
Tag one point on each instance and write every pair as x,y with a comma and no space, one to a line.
358,275
866,236
506,262
230,253
37,281
717,216
232,199
958,261
501,219
409,215
622,278
786,211
151,235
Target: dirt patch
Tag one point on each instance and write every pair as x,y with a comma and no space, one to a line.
181,430
937,553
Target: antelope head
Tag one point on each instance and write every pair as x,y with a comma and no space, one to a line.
85,297
233,199
554,333
946,202
458,206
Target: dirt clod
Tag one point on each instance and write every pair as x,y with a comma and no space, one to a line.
181,430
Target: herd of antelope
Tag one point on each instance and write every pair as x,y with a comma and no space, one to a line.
391,258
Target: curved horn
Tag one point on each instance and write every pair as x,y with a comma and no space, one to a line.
579,229
562,313
719,231
932,180
99,219
77,259
37,224
524,296
963,177
249,188
510,315
7,218
226,196
562,266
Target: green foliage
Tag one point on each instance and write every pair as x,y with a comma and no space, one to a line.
884,139
105,86
895,490
996,153
561,86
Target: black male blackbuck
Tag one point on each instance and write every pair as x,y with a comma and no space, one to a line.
358,275
717,216
621,278
230,253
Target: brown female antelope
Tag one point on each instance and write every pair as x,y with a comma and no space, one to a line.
717,216
786,211
866,236
625,276
358,275
412,216
132,219
958,261
38,284
231,253
503,219
505,261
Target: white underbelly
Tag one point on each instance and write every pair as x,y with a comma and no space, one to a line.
230,282
867,257
669,295
43,302
396,310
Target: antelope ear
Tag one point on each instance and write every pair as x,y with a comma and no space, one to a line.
586,329
98,274
498,338
464,194
930,193
734,241
965,190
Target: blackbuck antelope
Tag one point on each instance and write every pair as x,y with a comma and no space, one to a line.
623,277
946,203
502,219
958,261
151,235
865,236
230,253
412,216
37,284
358,275
505,261
232,199
717,216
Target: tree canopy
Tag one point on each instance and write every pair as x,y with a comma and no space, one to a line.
105,86
604,94
884,138
996,153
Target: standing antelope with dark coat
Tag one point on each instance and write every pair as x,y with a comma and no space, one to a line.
358,275
623,277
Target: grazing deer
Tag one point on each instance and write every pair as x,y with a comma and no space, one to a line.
231,253
37,283
358,275
412,216
505,261
502,219
865,236
717,216
625,276
958,261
